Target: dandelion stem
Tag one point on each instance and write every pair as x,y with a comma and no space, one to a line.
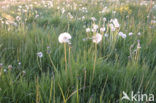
94,60
52,63
51,89
84,83
69,58
40,67
37,91
65,57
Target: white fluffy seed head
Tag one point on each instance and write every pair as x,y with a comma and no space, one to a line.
64,38
88,30
122,35
40,54
115,22
97,38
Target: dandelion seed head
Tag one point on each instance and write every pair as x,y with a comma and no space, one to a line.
19,63
93,18
24,72
104,19
40,54
87,30
130,34
18,18
97,38
10,67
102,29
5,70
115,23
112,27
139,33
122,35
106,35
95,27
64,38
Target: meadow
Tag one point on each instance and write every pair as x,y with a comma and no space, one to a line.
77,51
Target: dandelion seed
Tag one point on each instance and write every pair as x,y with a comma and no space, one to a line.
83,17
2,22
122,35
20,6
106,35
36,16
130,34
115,22
18,18
93,30
19,10
10,67
104,19
114,12
153,21
19,63
40,54
87,30
24,72
5,70
6,22
84,26
63,10
102,29
70,15
97,38
95,27
138,45
93,18
139,33
112,27
84,39
64,38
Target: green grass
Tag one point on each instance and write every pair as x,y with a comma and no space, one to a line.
119,65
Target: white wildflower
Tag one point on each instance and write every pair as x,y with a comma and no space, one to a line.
112,27
97,38
10,67
18,18
93,30
102,29
64,38
19,63
104,19
130,34
5,70
95,27
93,18
115,22
122,35
139,33
106,35
87,30
40,54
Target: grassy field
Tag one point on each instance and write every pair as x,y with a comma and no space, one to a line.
112,49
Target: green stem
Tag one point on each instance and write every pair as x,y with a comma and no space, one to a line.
65,57
95,55
52,63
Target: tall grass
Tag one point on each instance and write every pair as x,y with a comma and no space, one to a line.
84,72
